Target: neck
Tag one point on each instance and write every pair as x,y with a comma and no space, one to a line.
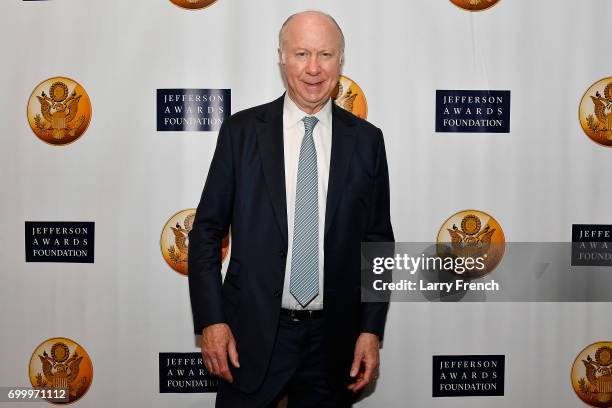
310,109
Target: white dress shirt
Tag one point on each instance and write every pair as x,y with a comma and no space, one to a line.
293,133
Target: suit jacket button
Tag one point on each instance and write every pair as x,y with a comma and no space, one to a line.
282,253
277,293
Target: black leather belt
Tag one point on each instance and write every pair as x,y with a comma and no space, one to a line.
297,315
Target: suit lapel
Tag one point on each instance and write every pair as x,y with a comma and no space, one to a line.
270,143
343,143
271,148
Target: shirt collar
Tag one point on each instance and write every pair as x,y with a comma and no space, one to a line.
293,115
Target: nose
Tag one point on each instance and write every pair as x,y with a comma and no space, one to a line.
313,67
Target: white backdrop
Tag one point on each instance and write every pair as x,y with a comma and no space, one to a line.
537,180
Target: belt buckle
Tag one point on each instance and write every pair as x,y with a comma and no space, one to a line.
293,316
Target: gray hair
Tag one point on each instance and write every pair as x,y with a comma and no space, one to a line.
281,33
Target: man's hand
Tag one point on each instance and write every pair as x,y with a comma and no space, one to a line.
366,355
217,343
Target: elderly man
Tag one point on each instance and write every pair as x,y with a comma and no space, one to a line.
301,183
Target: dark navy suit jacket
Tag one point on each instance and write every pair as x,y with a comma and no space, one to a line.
245,190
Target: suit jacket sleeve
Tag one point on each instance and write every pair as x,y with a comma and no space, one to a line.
211,225
373,314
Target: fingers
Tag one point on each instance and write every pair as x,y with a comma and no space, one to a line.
357,385
217,341
216,363
368,375
207,362
365,377
356,364
356,372
233,353
224,371
364,367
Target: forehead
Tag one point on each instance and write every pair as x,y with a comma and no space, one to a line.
311,31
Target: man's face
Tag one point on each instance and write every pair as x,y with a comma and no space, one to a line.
312,59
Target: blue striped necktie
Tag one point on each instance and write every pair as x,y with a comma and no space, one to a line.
304,284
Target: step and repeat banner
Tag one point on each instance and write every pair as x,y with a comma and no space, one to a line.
497,117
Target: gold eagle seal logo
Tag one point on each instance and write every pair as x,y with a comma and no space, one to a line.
61,363
174,240
592,375
595,112
349,96
475,5
472,234
193,4
59,111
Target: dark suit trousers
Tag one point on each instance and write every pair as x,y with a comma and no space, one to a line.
298,369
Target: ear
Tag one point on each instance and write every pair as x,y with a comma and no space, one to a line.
280,57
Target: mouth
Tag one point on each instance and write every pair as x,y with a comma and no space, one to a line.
313,85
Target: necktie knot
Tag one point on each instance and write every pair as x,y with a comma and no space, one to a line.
309,123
